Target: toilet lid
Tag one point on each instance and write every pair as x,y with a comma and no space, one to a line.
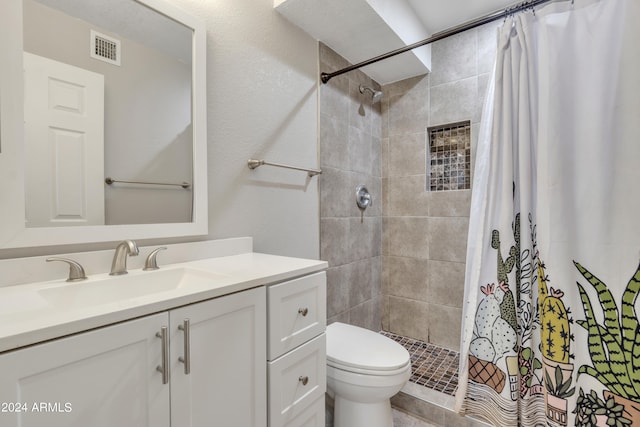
352,346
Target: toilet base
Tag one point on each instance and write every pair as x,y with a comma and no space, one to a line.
356,414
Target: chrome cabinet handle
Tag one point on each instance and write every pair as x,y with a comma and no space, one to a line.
304,380
303,311
164,368
186,328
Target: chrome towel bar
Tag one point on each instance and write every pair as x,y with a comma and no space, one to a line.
110,181
252,163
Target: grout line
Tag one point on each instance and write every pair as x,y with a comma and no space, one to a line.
433,367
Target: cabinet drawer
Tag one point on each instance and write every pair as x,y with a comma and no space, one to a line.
313,416
296,381
297,312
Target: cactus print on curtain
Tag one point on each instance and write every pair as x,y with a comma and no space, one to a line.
551,331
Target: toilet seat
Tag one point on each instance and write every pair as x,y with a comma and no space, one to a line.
375,372
345,344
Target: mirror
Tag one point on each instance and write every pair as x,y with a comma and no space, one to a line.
113,142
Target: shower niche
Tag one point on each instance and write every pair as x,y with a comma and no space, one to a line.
449,157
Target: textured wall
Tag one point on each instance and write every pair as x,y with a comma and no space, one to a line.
425,233
350,128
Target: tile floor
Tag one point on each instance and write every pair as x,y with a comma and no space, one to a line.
433,367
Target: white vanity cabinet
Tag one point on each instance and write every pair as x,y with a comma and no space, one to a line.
297,351
102,378
224,383
109,377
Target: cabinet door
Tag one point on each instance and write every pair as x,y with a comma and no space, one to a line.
103,378
226,386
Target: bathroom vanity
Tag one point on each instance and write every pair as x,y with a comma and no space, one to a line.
233,341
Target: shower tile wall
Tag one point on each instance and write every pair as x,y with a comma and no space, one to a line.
425,233
350,154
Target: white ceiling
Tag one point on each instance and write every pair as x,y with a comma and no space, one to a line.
362,29
133,20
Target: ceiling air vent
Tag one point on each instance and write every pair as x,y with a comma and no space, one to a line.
105,48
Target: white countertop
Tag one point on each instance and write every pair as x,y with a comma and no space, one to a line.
27,318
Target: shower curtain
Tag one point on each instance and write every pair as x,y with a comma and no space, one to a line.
550,333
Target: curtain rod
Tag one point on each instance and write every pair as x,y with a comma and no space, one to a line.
494,16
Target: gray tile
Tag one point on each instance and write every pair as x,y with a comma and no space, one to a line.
335,193
408,278
453,102
409,318
338,286
450,203
448,238
360,282
454,58
376,156
364,238
408,237
407,154
446,283
487,45
334,98
483,85
404,86
366,315
376,276
334,240
385,157
334,137
359,149
444,326
407,196
342,318
409,111
385,312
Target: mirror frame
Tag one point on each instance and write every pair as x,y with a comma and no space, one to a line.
13,233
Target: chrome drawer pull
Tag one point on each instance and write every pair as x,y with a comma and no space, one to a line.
304,380
186,323
164,368
303,311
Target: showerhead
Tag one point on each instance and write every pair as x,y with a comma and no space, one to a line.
376,94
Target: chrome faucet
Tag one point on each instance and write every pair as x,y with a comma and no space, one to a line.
119,264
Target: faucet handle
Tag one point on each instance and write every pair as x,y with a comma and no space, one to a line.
76,272
151,263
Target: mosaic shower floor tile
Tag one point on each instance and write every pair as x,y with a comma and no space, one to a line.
432,366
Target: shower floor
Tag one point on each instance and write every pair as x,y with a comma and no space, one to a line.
432,366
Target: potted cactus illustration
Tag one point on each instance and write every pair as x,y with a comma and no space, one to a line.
556,337
558,390
614,344
591,411
493,337
528,365
494,332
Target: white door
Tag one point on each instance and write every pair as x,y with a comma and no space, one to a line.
103,378
64,144
227,383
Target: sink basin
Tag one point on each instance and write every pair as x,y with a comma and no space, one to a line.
110,289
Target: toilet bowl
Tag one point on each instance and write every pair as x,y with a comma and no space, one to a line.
364,369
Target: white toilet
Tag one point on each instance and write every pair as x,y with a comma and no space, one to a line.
364,369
